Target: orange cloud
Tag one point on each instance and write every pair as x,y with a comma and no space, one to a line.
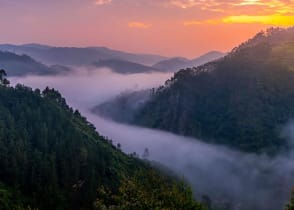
273,20
197,22
277,6
184,3
249,2
139,25
238,6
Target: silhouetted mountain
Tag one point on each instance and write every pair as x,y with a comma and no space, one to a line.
124,67
242,100
78,56
19,65
208,57
36,46
175,64
120,62
172,64
52,158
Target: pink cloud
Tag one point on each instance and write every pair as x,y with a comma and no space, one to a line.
102,2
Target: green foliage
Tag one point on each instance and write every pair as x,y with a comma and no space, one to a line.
240,101
148,191
11,199
290,205
53,156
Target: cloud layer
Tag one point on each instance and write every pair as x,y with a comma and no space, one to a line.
225,6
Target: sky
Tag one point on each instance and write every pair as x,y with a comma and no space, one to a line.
186,28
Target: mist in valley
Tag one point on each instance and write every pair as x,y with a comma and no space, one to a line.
248,181
88,87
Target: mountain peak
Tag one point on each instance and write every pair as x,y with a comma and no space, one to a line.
177,63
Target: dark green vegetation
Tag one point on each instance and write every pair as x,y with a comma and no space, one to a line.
147,191
19,65
290,205
3,80
241,101
52,158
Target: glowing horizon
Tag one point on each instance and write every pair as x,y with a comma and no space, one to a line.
166,27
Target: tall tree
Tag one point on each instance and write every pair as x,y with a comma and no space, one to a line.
2,74
3,80
290,205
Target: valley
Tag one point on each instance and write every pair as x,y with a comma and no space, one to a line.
228,177
203,121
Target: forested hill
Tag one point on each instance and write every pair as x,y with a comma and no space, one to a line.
242,100
52,158
20,65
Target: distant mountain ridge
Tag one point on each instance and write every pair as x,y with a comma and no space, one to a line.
20,65
78,56
175,64
87,56
124,67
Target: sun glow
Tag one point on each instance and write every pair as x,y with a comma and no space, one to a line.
276,20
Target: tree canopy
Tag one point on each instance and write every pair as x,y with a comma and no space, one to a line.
51,157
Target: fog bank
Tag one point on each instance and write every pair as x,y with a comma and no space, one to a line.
249,181
85,88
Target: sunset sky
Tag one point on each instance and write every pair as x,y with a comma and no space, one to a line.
167,27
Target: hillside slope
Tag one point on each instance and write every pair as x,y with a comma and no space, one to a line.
52,158
242,101
20,65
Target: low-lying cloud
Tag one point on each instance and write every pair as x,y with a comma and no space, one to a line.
86,88
249,181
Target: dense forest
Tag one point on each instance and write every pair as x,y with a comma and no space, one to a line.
241,101
51,157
